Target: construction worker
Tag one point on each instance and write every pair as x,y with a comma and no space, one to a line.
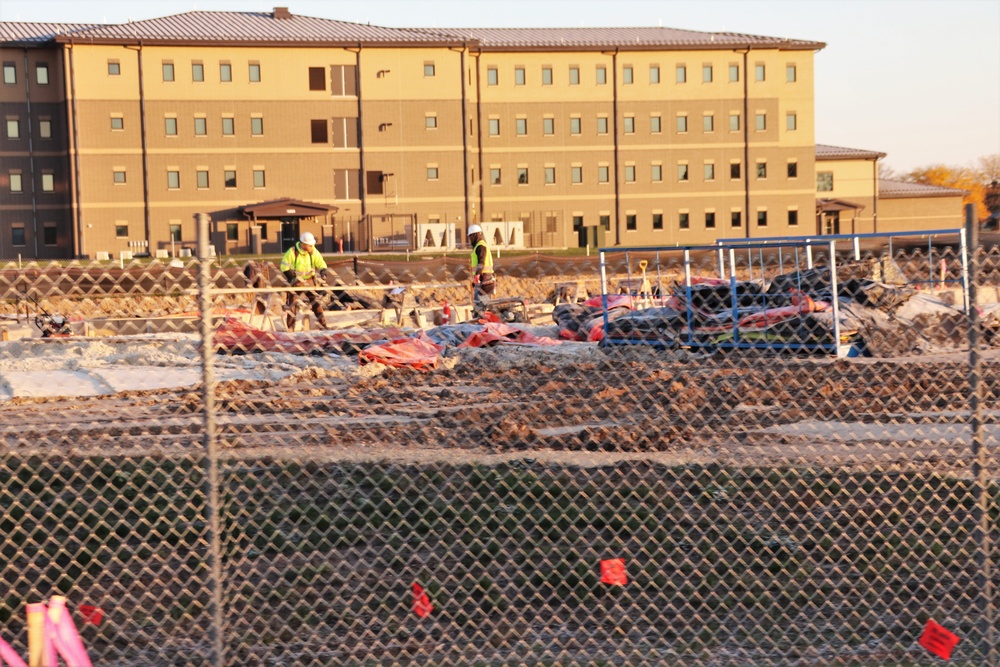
303,265
484,282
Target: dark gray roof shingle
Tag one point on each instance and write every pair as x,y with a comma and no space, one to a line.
888,189
14,32
825,152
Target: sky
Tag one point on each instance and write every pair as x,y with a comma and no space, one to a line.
918,80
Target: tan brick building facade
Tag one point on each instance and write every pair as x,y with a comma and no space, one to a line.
275,124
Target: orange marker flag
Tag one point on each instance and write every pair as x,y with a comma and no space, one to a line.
91,614
422,605
613,572
938,640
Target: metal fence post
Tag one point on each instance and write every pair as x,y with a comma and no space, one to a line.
211,445
981,514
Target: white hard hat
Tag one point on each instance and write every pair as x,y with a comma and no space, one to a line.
307,239
474,229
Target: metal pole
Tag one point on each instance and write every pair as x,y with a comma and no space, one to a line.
834,288
211,444
980,511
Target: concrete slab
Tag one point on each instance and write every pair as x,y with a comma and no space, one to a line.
44,384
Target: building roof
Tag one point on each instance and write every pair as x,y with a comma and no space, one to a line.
283,27
21,33
280,208
825,152
625,38
888,189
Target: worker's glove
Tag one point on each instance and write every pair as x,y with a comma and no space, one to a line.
475,279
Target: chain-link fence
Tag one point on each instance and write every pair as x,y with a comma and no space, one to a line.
560,478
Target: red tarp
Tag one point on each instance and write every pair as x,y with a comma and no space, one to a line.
495,333
236,336
420,353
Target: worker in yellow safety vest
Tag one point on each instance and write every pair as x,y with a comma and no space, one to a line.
484,282
304,265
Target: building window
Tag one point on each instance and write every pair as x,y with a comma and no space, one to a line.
232,231
606,222
229,176
546,76
201,178
432,173
522,175
706,74
682,124
13,128
118,123
654,73
734,170
577,223
793,170
317,78
521,126
629,125
168,71
684,221
548,126
602,75
173,180
654,125
762,170
793,218
17,236
709,219
657,221
576,174
48,182
197,72
574,75
758,72
254,73
708,123
42,74
791,122
682,172
430,122
50,235
319,131
791,75
630,173
631,223
175,233
495,176
16,184
492,76
656,173
627,76
9,73
760,121
494,127
603,174
550,175
429,70
45,129
121,231
681,74
258,178
734,122
575,126
709,171
736,219
824,181
602,125
200,127
225,72
118,175
228,127
762,218
114,68
256,126
734,73
170,126
518,76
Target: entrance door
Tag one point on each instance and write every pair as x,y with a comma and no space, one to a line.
831,222
289,232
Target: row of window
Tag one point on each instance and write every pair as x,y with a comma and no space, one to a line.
709,173
709,220
200,125
197,71
14,128
708,74
16,181
10,73
682,124
201,178
50,235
